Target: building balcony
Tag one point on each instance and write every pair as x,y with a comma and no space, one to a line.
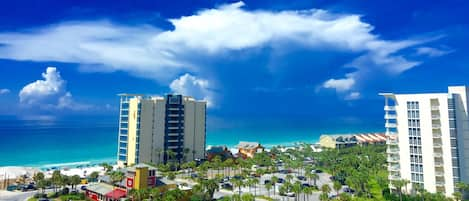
437,145
174,115
174,109
439,173
173,121
173,140
394,168
435,107
393,159
436,126
394,177
435,117
440,183
392,150
173,134
436,135
437,155
390,125
391,133
389,108
438,164
392,142
390,116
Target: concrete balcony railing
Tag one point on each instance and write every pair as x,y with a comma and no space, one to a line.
438,164
392,142
391,133
390,125
174,109
394,168
439,173
394,177
436,135
437,145
392,150
435,107
436,126
435,117
389,108
390,116
437,155
393,159
440,183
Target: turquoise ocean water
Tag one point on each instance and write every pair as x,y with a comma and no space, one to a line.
55,143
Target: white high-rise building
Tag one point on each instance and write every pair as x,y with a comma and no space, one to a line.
428,139
156,129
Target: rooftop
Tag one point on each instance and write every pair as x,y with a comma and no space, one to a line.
100,188
248,145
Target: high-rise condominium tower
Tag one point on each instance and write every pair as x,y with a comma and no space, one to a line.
428,139
159,129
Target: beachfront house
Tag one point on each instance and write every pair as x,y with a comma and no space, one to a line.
248,149
349,140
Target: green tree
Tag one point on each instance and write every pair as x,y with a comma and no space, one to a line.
75,180
94,175
237,182
56,179
38,177
116,176
274,180
296,188
210,186
337,186
268,186
108,168
247,197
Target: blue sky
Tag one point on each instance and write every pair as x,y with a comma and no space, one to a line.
254,61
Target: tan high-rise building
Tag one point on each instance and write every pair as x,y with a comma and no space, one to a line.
159,129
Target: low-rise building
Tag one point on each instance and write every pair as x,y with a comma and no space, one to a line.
221,151
104,192
140,176
347,140
248,149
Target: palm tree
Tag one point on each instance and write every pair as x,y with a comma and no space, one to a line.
326,189
255,182
116,176
337,186
75,180
399,184
312,176
107,167
56,179
42,184
210,186
274,180
268,186
38,177
296,188
323,197
237,183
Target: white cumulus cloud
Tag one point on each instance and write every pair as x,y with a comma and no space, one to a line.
49,93
340,85
190,85
4,91
147,51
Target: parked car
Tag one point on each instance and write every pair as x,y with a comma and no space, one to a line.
348,190
28,187
227,186
83,188
302,178
290,194
305,185
194,175
267,181
280,181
